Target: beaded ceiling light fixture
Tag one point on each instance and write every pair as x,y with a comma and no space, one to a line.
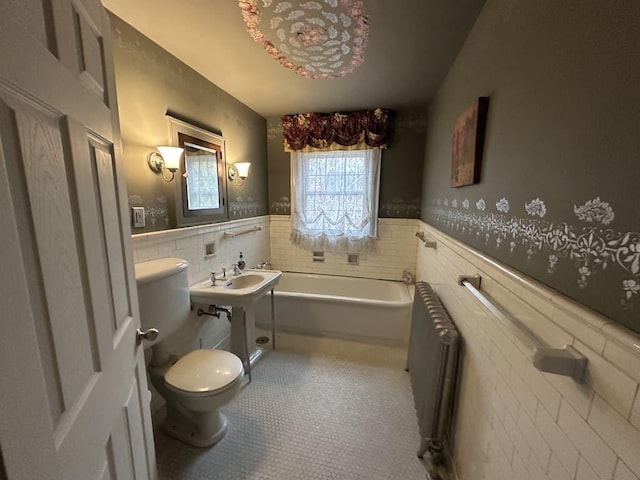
315,39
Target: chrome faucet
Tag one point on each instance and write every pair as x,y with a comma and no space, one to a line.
214,278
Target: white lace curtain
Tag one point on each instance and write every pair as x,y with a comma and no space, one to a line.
334,199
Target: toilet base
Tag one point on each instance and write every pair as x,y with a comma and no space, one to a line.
205,434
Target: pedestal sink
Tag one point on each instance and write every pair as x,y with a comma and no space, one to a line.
236,291
241,292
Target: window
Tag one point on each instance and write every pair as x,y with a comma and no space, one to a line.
335,199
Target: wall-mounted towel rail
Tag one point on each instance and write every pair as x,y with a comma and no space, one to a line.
428,242
242,232
562,361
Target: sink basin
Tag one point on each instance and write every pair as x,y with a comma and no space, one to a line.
238,291
244,281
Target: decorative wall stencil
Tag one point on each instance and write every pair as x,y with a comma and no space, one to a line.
246,207
282,206
400,208
594,253
502,205
410,121
595,211
156,215
135,201
274,128
315,39
536,208
468,143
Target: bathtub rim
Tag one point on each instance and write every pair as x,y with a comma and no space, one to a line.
393,334
406,291
343,299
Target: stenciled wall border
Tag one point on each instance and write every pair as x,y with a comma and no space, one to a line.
589,245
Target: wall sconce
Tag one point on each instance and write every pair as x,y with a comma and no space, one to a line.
167,159
238,172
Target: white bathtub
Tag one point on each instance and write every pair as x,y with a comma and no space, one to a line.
344,307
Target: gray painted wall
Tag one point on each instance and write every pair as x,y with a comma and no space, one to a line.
3,473
561,147
400,175
150,82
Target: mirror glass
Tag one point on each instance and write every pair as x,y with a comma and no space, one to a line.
201,167
201,190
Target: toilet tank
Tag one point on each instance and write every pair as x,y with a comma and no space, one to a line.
163,295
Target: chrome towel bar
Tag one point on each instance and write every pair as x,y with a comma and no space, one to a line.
255,228
565,361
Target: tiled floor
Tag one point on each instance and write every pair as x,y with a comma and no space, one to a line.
317,409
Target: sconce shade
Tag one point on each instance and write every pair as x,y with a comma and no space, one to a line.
243,169
171,156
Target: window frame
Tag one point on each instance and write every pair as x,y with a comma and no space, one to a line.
319,235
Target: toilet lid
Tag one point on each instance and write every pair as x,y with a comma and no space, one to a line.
204,371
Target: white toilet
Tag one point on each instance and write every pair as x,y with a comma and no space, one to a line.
199,383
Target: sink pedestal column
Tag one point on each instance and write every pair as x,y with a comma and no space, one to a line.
243,337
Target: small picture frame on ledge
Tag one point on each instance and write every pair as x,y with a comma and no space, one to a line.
468,143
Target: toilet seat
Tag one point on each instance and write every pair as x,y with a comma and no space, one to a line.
204,372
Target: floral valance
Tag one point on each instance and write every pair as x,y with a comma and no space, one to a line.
337,131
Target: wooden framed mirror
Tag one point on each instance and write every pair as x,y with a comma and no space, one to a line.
201,189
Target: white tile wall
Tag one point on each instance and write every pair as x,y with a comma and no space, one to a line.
556,470
635,414
619,434
623,473
189,243
585,472
396,252
514,422
594,450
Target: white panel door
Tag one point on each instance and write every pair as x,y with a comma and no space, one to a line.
73,390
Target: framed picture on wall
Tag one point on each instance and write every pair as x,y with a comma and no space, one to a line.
468,143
